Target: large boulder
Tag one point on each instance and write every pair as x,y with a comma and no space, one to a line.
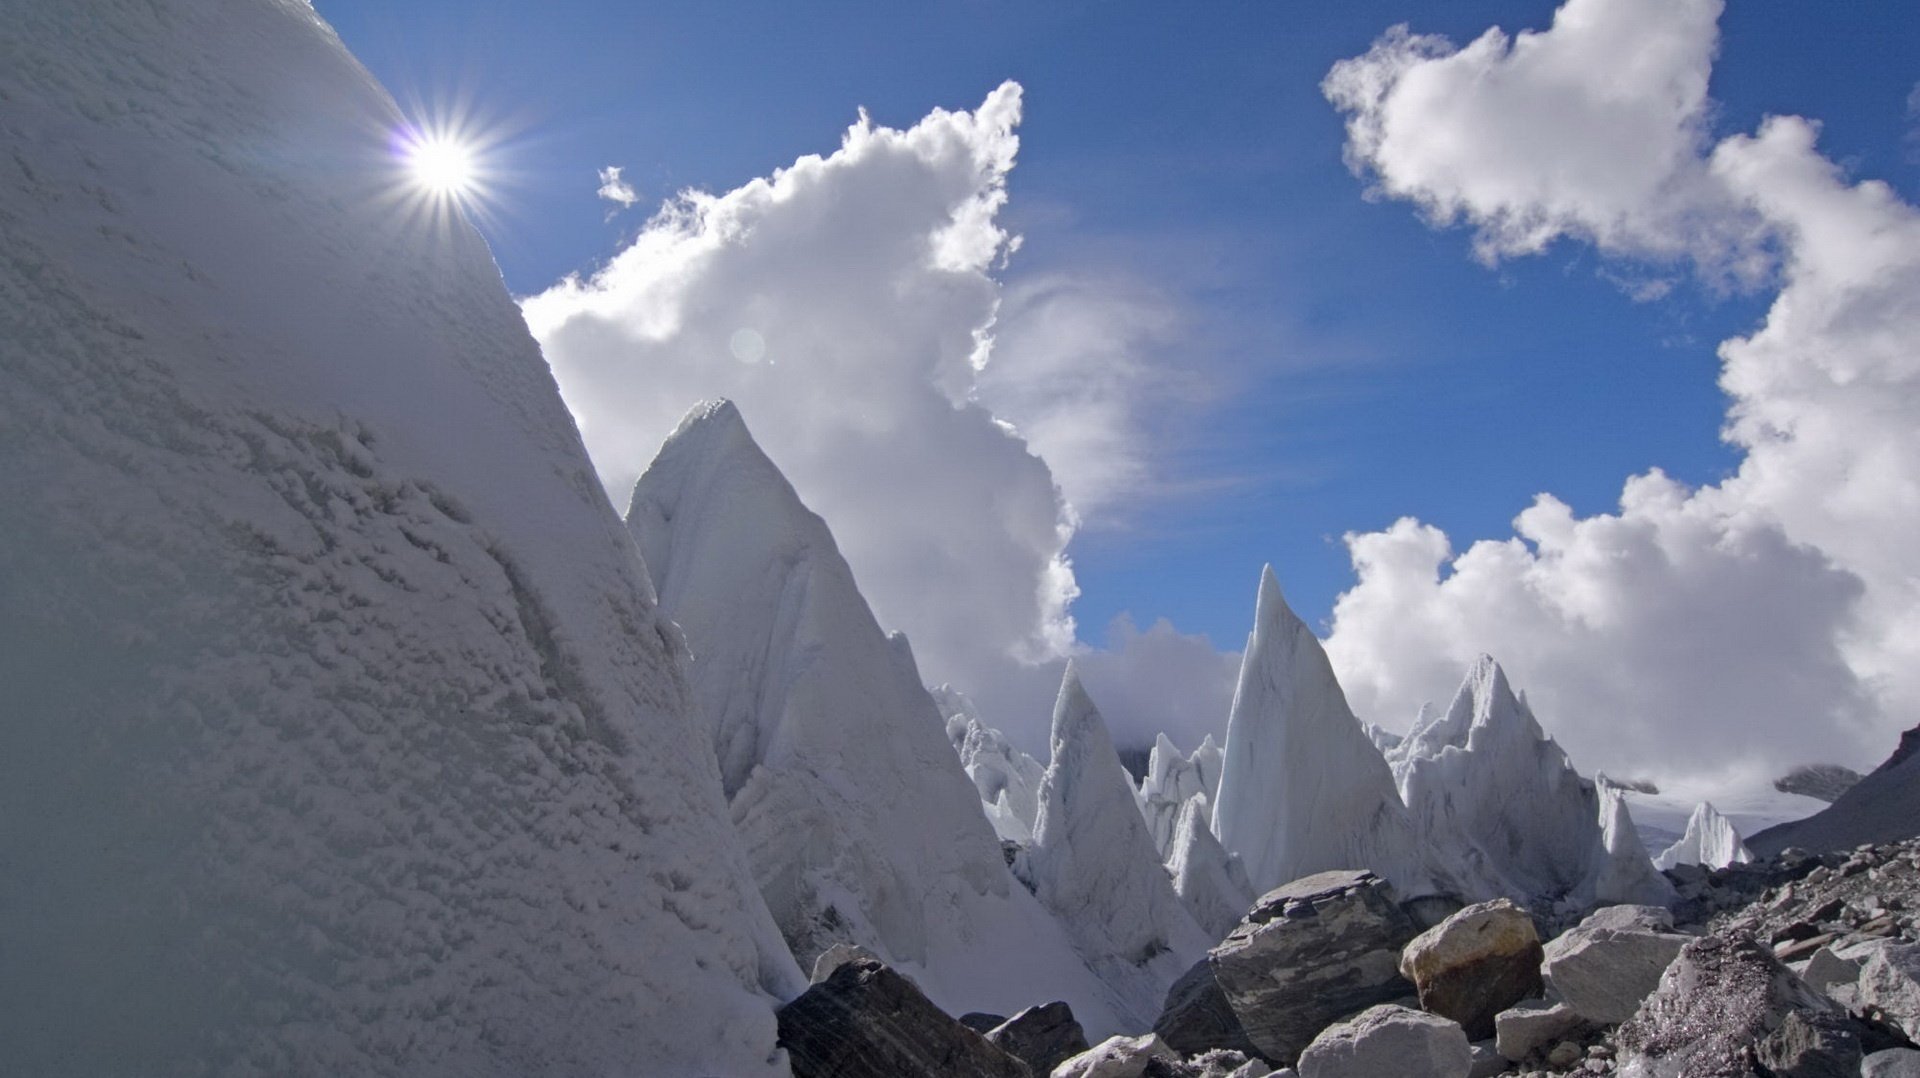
1525,1028
1728,1007
1118,1057
1475,964
1197,1016
1891,1063
866,1021
1604,966
1043,1037
1389,1040
1309,953
1890,983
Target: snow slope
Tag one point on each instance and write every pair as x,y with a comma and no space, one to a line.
1710,840
342,734
858,819
1302,787
1093,864
1486,785
1881,807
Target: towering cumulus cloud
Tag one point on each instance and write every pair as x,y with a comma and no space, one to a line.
1769,618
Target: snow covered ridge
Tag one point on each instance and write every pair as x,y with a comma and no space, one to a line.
342,733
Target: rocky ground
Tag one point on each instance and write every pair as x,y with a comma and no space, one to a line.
1798,966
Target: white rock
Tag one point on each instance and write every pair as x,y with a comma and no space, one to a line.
1606,965
1302,788
1117,1057
1389,1040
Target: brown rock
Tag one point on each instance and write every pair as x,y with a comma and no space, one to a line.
1475,964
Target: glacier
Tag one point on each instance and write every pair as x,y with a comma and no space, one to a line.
1710,840
344,734
1093,863
858,819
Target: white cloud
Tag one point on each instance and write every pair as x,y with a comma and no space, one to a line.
616,190
1769,619
848,304
1160,680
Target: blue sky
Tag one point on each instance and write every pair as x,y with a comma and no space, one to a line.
1355,364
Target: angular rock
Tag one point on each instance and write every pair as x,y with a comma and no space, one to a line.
1389,1040
1521,1030
1475,964
1220,1063
839,955
1604,966
1043,1037
1310,952
866,1021
1117,1057
1486,1061
1890,983
1197,1016
1811,1044
1827,971
1723,1002
1891,1063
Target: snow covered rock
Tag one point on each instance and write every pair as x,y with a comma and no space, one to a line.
1093,864
1607,964
867,1021
859,821
1117,1057
1727,1002
342,733
1302,788
1389,1040
1883,807
1824,781
1208,880
1710,840
1171,781
1475,964
1042,1037
1311,952
1485,785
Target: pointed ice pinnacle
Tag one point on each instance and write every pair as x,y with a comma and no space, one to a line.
1205,876
1710,840
1094,864
1171,781
859,822
1302,787
1625,875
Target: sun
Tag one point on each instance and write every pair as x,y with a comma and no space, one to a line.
442,165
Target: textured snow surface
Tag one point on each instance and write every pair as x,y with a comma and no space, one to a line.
1171,781
1498,798
342,735
1093,864
1007,779
1205,876
1303,789
1710,839
858,819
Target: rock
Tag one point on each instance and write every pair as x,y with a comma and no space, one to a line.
1217,1064
1892,1063
839,955
1890,982
1564,1055
1311,952
1608,963
1485,1061
981,1022
866,1021
1197,1016
1827,972
1389,1040
1475,964
1043,1037
1117,1057
1725,999
1521,1030
1811,1044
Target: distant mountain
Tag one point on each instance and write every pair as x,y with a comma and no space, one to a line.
1882,807
1824,781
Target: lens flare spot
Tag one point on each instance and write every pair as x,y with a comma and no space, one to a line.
747,346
